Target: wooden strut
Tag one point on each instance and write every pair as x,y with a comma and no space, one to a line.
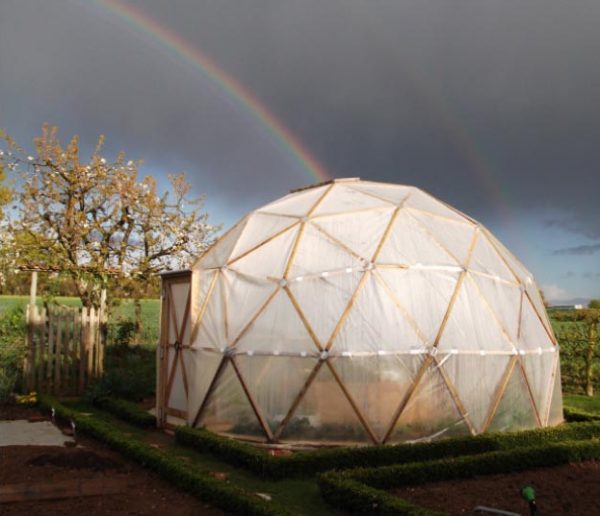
529,391
257,246
294,250
499,324
171,375
427,362
219,241
348,212
378,197
455,397
337,242
499,394
303,318
255,316
253,403
400,307
510,268
211,387
519,322
346,312
425,230
549,395
164,358
349,397
180,334
407,396
549,333
198,322
297,400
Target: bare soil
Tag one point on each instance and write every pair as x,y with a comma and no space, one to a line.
143,492
563,490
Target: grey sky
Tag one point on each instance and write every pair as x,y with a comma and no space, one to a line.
493,106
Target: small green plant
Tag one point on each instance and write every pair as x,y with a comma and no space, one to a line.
130,373
12,351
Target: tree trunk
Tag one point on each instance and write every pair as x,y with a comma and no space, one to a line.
137,338
589,359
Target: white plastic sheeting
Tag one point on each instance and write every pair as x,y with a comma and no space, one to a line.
357,312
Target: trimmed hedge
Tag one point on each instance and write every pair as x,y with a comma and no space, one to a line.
181,474
127,411
357,498
307,463
578,415
357,487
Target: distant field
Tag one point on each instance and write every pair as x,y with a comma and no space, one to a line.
123,311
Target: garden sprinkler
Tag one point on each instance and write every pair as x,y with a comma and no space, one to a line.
528,493
73,428
53,416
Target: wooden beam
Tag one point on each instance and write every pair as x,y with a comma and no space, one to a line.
210,389
455,397
407,396
303,318
499,393
529,391
297,400
353,404
253,404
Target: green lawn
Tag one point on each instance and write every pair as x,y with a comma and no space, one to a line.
122,311
585,403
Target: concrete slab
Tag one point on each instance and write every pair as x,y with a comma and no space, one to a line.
24,433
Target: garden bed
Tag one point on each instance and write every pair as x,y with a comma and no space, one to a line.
141,491
561,490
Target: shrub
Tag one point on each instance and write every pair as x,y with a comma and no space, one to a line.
127,411
307,463
357,489
12,351
183,475
130,373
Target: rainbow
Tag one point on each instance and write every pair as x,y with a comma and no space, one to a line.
186,52
456,130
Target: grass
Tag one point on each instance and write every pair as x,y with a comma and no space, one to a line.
585,403
124,310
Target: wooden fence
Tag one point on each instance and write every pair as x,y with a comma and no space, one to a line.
65,349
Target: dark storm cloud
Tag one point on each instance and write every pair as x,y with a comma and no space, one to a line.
580,250
449,96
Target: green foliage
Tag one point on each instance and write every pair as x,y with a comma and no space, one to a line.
576,415
308,463
127,411
183,475
12,351
586,403
130,373
357,498
574,330
350,489
594,303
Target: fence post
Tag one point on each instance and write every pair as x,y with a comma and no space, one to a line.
83,351
58,318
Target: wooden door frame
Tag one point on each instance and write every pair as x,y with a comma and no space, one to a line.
162,352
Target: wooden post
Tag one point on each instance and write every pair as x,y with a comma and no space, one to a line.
33,288
30,343
51,343
83,348
58,319
589,359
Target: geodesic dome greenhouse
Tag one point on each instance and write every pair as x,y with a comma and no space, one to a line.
359,312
